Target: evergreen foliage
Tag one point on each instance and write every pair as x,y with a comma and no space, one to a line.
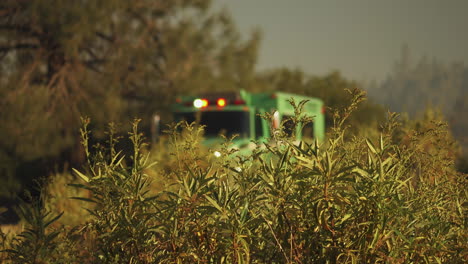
110,60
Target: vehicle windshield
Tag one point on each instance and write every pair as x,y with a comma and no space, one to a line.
227,123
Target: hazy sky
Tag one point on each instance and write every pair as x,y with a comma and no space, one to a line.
361,38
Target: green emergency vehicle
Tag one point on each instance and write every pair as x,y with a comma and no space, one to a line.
238,113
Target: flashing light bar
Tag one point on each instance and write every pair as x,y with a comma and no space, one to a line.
220,102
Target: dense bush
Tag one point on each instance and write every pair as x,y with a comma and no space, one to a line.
393,199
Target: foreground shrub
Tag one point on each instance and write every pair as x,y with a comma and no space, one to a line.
390,199
37,243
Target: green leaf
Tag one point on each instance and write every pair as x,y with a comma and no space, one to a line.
381,142
84,199
346,217
361,172
81,175
214,203
284,158
50,237
371,146
53,219
244,211
80,186
329,161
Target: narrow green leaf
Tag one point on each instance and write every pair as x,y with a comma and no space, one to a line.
381,142
53,219
80,186
346,217
117,155
371,146
284,158
329,162
50,237
361,172
84,199
214,203
81,175
244,212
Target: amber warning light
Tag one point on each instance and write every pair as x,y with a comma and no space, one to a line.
221,102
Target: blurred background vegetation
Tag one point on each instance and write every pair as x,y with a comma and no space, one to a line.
113,60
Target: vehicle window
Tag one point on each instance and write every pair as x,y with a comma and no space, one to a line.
227,123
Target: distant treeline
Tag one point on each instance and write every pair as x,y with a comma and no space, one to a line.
414,86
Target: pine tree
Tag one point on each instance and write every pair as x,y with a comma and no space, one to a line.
112,60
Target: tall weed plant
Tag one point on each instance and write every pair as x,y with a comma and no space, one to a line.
393,198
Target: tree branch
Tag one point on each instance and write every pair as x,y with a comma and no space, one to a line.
18,46
105,37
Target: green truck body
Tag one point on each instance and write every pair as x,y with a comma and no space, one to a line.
239,113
